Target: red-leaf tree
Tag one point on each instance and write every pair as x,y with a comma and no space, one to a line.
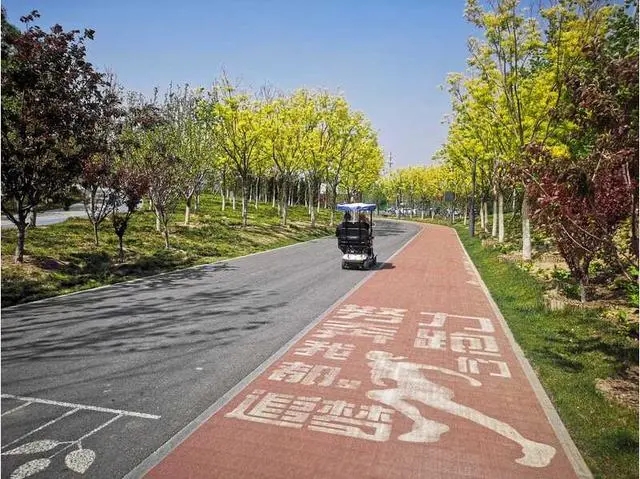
581,199
98,168
129,186
51,102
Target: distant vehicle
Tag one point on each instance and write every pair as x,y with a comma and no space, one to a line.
355,236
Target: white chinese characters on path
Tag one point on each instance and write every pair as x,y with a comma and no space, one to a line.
370,422
311,375
371,314
335,351
474,338
411,384
405,387
379,324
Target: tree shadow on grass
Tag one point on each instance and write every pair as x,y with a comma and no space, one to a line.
565,348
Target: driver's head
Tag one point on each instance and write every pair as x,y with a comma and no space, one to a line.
347,216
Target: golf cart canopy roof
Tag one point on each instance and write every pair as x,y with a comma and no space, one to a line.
355,207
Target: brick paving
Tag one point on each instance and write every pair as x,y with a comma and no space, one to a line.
412,375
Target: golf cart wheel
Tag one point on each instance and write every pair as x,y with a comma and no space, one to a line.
344,265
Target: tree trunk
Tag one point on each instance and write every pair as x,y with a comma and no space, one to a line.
245,195
166,237
19,254
284,193
634,225
584,279
33,218
312,207
500,217
482,218
121,250
158,229
257,191
95,234
273,194
233,200
187,211
334,202
485,209
526,229
494,227
472,203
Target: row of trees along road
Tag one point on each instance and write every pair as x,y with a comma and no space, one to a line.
547,113
64,124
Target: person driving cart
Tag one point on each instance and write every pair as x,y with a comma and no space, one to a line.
341,226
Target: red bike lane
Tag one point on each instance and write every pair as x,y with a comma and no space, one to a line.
414,374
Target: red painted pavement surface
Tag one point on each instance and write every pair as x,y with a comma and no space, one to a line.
411,376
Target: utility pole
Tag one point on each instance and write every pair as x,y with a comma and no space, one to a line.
389,164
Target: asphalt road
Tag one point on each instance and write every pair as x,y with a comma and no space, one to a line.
97,381
50,217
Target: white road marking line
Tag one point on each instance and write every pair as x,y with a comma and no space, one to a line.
68,413
81,406
15,408
90,433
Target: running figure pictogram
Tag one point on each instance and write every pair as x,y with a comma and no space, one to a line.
412,385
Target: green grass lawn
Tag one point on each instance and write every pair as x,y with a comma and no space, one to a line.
62,258
569,350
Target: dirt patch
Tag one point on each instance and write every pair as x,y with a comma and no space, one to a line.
622,389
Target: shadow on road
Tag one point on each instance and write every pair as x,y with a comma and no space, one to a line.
385,266
186,308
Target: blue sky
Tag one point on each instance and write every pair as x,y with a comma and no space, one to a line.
388,57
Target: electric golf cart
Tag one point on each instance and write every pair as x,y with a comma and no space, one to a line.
355,235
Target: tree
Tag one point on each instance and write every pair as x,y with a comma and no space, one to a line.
236,131
585,192
151,143
129,186
527,71
97,172
195,147
51,103
287,123
320,145
98,197
347,130
363,168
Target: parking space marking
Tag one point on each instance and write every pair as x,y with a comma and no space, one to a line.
80,406
77,458
15,409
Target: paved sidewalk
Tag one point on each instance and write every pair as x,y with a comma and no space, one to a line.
414,374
